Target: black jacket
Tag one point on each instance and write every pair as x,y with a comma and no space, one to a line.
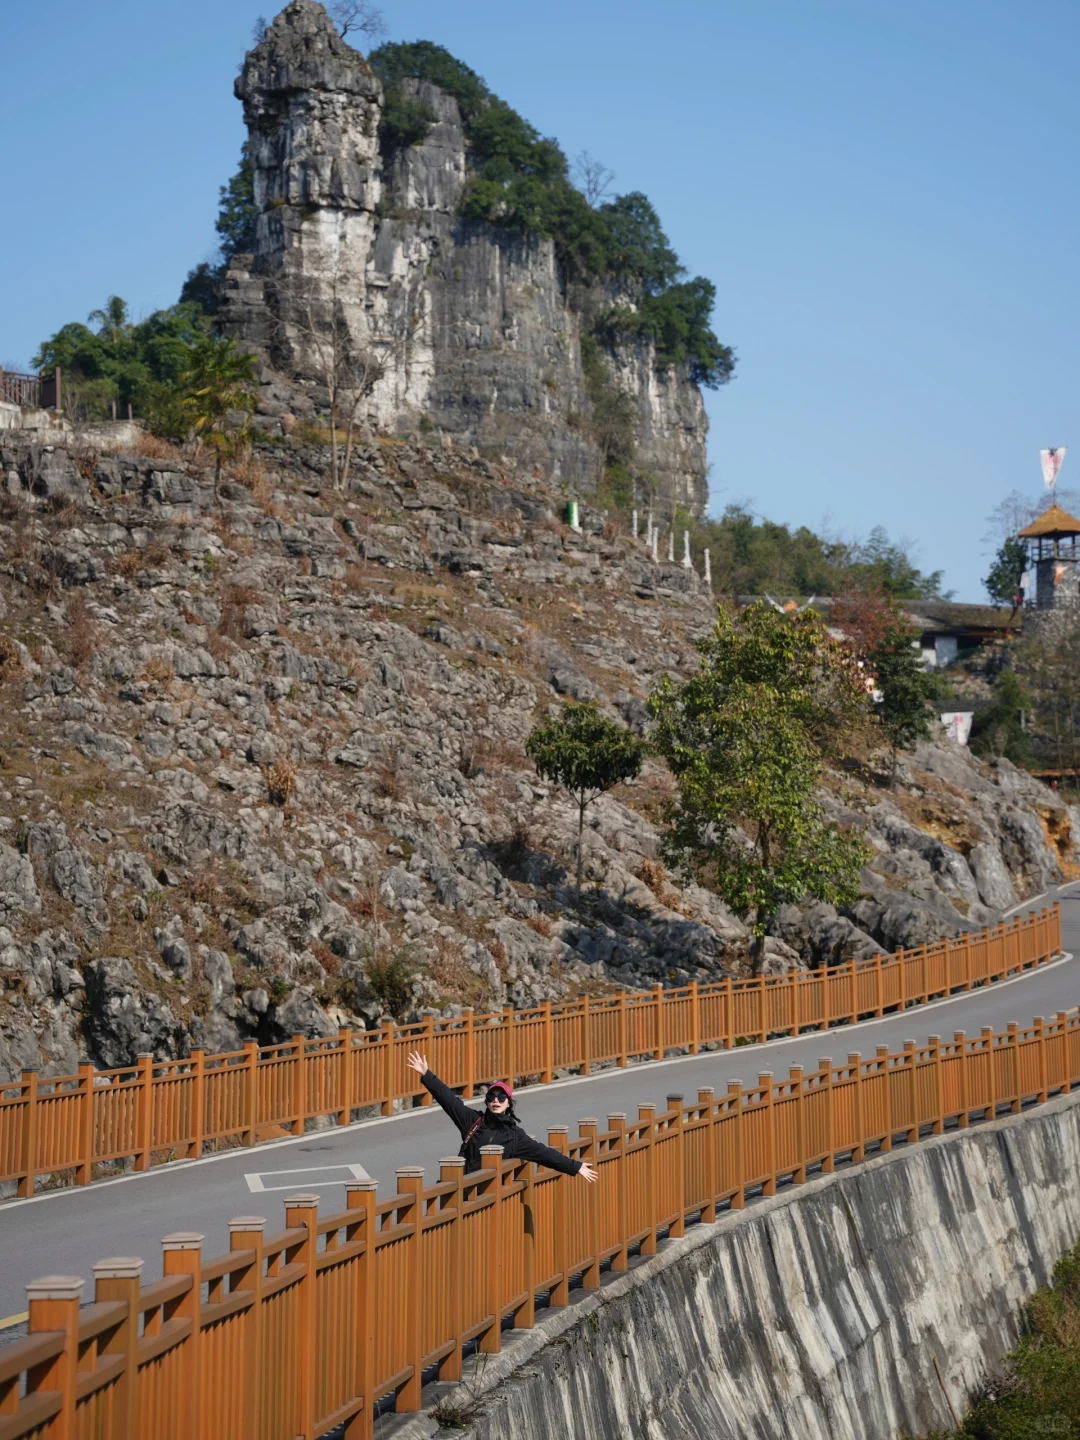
493,1130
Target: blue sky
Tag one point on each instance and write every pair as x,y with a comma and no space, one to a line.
884,194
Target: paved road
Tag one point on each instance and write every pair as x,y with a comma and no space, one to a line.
65,1231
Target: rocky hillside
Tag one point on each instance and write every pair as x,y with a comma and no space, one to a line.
476,327
262,771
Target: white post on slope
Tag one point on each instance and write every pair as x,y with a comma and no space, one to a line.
656,546
671,547
708,571
686,550
633,524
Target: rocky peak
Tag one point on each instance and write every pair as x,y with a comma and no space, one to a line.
473,326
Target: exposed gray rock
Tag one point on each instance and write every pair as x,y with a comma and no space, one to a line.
18,888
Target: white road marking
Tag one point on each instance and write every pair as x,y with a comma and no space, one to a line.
257,1183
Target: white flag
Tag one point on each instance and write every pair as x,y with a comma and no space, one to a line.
1051,464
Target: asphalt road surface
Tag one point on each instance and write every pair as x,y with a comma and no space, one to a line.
66,1231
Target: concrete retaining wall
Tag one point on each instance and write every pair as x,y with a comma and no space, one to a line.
817,1315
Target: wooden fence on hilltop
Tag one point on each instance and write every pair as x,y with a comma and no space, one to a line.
157,1110
294,1334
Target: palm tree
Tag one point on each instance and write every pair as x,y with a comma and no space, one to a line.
114,321
219,398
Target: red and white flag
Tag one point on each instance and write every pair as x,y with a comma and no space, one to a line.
1051,464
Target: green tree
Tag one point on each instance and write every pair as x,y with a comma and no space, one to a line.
120,360
999,730
747,738
1003,582
587,754
219,398
905,710
237,211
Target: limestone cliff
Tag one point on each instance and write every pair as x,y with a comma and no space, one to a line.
476,329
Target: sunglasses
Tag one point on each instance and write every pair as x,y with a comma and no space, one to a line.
496,1097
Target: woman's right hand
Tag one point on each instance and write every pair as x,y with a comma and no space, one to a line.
417,1062
588,1173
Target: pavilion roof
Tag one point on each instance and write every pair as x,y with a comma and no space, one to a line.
1051,524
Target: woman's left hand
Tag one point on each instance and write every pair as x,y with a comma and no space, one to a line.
417,1062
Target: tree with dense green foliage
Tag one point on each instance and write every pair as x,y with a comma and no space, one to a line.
114,359
885,645
752,556
1003,582
747,738
999,729
587,754
218,389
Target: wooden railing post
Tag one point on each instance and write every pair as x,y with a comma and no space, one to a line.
621,1022
53,1304
695,1020
548,1042
734,1090
388,1067
986,1035
491,1339
590,1276
911,1065
246,1233
938,1127
658,1037
963,1118
360,1196
828,1163
429,1049
858,1150
706,1099
617,1123
144,1113
1014,1068
182,1255
198,1104
879,988
119,1279
966,937
299,1086
795,1077
525,1315
1044,1084
251,1091
452,1171
854,992
678,1149
763,1019
28,1158
728,1035
882,1054
86,1125
902,971
410,1181
1066,1077
302,1213
647,1116
560,1291
509,1043
765,1081
470,1052
344,1085
586,1036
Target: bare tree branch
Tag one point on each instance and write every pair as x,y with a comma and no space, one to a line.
593,179
359,15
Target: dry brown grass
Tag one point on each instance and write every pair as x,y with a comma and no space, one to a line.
651,873
158,670
234,601
10,663
127,564
280,780
153,447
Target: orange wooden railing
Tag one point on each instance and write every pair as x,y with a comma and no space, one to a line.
157,1110
297,1333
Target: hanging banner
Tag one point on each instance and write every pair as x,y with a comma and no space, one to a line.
1051,464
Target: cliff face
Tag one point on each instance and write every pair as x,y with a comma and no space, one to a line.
473,327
